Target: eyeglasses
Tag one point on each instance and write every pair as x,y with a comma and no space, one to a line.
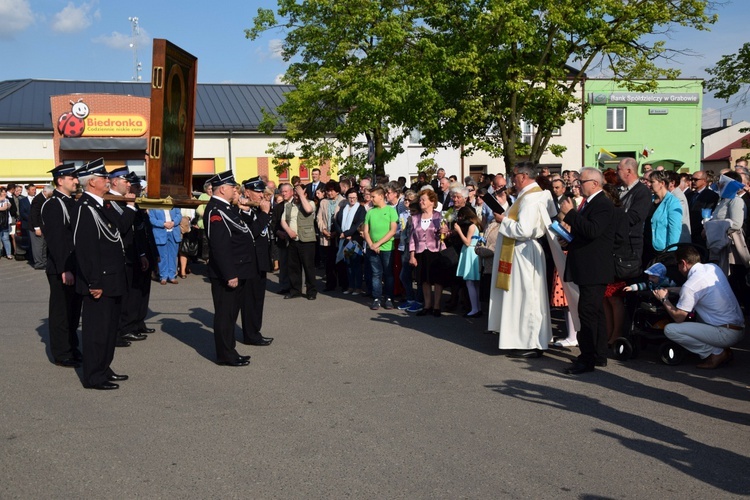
695,179
585,181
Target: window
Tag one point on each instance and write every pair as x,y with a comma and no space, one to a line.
414,137
616,119
527,132
556,132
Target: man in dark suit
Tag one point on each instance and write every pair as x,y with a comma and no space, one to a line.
231,263
591,266
315,185
256,212
636,201
24,215
36,239
124,213
558,191
100,277
147,255
444,193
64,303
701,197
435,183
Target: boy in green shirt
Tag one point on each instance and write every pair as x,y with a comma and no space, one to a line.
380,226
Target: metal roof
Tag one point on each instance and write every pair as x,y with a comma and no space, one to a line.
25,104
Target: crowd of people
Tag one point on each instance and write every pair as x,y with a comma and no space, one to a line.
522,244
437,246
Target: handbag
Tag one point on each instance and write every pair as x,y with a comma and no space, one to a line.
627,267
189,246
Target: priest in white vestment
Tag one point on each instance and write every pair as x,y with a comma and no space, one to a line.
519,302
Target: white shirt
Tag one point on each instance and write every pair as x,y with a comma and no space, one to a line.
707,291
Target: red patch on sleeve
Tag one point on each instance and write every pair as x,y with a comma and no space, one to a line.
215,218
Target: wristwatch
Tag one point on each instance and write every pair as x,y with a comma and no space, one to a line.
664,300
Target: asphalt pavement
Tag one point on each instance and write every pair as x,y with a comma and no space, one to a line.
354,403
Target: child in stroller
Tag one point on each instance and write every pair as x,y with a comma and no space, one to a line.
657,278
650,318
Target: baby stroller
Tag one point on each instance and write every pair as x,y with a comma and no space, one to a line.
650,317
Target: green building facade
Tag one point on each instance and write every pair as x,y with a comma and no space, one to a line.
661,127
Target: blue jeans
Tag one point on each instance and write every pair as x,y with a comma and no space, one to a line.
380,263
367,268
5,237
354,271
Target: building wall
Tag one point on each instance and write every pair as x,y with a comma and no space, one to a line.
666,131
26,156
571,136
723,137
29,156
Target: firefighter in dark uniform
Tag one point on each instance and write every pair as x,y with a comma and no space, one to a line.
100,276
64,302
231,263
125,213
148,258
256,211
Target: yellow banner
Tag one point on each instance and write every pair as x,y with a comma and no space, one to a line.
114,126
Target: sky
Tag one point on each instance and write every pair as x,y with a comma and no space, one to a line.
91,40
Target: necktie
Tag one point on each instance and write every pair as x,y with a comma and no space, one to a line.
583,204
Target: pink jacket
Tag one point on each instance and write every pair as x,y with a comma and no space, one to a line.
429,239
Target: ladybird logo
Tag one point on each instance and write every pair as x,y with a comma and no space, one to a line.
72,124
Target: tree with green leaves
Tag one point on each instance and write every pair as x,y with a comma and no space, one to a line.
465,73
350,68
501,62
731,75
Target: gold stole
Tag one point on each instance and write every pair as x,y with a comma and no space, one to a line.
505,263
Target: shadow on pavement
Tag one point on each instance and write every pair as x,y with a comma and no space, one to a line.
196,334
666,444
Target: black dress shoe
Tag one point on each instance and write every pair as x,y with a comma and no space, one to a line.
146,330
312,296
283,292
292,295
133,337
241,361
577,368
122,343
105,386
261,342
117,378
69,363
244,358
525,353
601,362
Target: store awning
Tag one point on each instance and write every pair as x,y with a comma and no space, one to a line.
103,144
